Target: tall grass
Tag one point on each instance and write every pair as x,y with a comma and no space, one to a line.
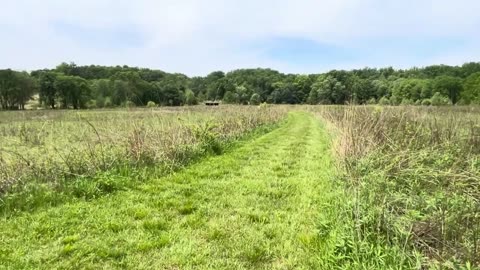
414,174
52,150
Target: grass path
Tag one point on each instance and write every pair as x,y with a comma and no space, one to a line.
269,204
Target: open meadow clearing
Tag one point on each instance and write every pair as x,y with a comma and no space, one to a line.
183,134
268,187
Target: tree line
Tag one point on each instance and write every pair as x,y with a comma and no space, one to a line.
78,87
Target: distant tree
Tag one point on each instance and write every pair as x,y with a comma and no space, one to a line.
16,88
312,97
8,87
26,87
361,89
190,98
426,102
242,94
72,91
438,99
384,101
471,92
108,86
302,86
121,92
151,104
230,98
448,86
255,99
330,90
380,88
48,92
406,102
214,85
372,101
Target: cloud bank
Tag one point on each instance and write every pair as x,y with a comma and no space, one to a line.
196,37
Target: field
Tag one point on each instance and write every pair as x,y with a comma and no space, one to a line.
241,187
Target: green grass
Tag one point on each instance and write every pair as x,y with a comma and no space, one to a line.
51,157
414,173
276,200
269,204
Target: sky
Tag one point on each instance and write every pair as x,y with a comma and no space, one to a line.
196,37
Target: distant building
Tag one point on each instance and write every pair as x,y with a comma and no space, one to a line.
212,103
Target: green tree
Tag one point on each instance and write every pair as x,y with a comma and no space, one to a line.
242,94
384,101
312,97
255,99
471,89
303,86
120,92
151,104
230,98
16,88
48,92
26,87
448,86
439,100
72,91
190,98
330,90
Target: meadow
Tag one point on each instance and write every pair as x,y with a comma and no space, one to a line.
241,187
62,153
414,174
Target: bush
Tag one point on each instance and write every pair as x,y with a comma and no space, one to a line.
384,101
406,102
190,98
426,102
255,99
414,175
129,104
440,100
91,104
395,101
151,104
371,101
264,106
108,102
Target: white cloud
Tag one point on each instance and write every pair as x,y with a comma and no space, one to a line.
196,37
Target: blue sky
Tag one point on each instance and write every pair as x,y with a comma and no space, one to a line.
196,37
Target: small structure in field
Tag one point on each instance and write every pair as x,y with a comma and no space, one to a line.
212,103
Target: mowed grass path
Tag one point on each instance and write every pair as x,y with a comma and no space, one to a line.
268,204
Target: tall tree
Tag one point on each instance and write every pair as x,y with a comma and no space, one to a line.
471,92
73,91
448,86
48,92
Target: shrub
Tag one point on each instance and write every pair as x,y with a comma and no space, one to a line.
129,104
151,104
372,101
264,105
413,174
190,98
440,100
91,104
255,99
384,101
406,102
108,102
426,102
395,101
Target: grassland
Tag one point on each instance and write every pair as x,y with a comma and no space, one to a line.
328,187
47,157
414,174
